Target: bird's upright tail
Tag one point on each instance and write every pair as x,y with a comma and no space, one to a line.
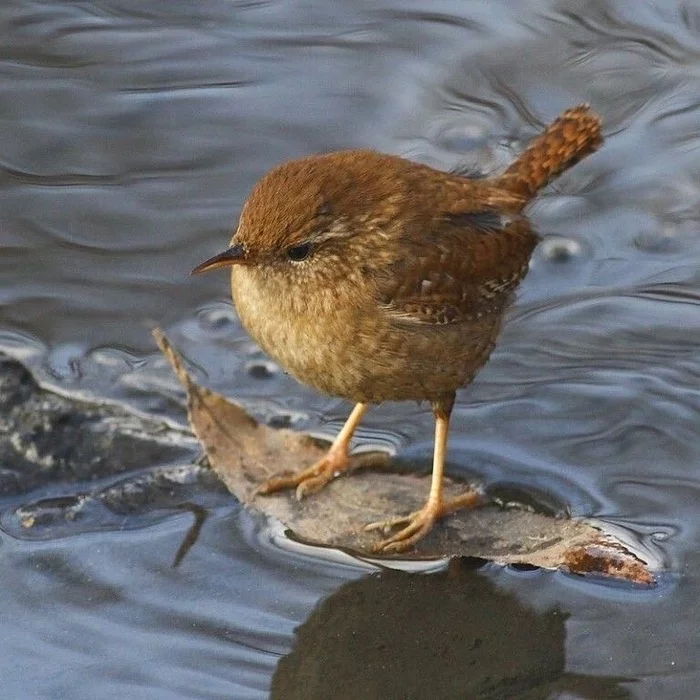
572,136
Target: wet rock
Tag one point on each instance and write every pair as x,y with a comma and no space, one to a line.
46,438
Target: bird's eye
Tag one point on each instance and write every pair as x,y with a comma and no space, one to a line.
298,253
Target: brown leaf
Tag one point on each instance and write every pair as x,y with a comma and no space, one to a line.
245,453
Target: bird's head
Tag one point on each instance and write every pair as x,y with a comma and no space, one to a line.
309,217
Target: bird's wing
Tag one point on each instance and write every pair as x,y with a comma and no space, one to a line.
464,268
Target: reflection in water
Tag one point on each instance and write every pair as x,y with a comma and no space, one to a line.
200,517
447,635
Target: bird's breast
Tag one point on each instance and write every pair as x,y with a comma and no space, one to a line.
311,335
353,350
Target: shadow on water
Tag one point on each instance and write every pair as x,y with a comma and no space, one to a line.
451,634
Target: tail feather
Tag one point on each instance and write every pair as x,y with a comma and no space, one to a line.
571,137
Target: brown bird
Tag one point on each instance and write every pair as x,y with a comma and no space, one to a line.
374,278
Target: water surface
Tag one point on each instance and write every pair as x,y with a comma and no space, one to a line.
131,134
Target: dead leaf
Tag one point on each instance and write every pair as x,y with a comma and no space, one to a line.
244,453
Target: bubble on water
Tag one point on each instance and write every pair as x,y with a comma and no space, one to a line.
562,249
282,420
216,318
65,360
667,238
461,137
261,369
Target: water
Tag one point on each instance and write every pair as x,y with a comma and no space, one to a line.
131,134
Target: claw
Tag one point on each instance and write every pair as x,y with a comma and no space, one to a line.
389,523
335,462
309,480
420,523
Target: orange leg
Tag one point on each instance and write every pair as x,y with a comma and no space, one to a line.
333,464
419,524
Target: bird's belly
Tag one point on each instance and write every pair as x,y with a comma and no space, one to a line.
425,362
383,367
368,359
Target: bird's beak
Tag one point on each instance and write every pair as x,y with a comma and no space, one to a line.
234,255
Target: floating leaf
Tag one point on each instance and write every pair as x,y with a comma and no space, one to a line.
245,453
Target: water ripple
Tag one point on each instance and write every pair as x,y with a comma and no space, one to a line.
131,135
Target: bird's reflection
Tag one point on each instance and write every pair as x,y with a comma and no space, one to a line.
441,636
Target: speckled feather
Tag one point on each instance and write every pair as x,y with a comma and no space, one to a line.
410,269
571,137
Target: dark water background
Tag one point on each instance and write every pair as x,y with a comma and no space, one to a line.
131,133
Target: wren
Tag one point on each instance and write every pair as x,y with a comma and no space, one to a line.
374,278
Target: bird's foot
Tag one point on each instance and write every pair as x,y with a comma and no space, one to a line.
311,480
420,523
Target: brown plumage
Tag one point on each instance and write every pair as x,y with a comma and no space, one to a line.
373,278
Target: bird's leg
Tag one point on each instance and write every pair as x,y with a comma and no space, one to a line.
334,463
419,524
